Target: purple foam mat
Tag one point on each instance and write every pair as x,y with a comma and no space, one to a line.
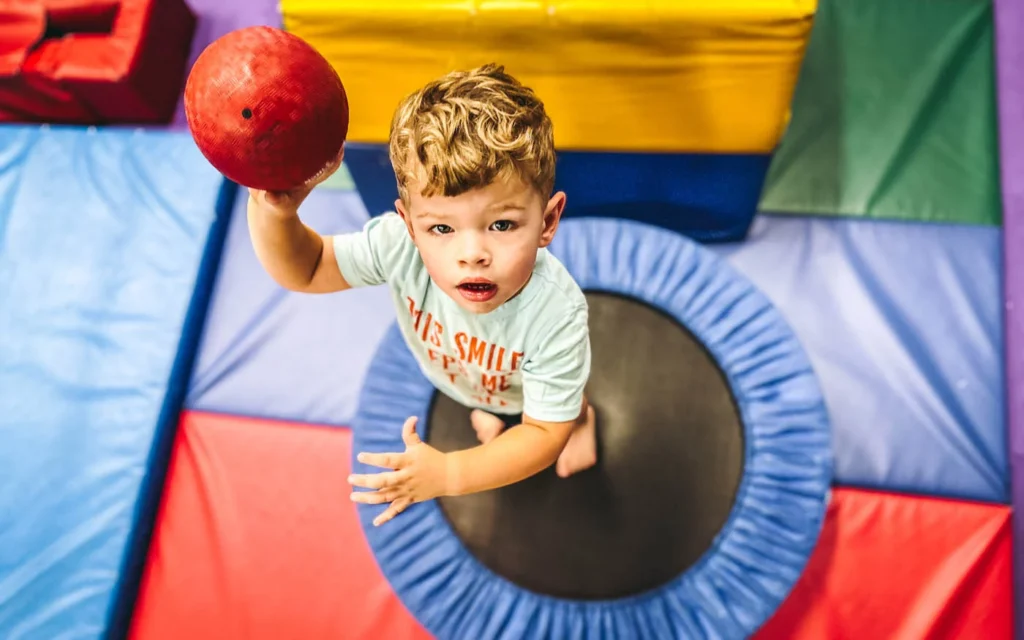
272,353
902,323
218,17
1009,30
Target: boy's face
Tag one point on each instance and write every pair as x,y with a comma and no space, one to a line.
480,247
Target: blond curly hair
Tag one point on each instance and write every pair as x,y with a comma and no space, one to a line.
469,128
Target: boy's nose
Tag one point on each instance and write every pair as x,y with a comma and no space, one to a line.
474,253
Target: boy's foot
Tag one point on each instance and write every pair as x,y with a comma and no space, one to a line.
486,425
581,451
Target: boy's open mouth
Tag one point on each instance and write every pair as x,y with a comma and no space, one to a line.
477,289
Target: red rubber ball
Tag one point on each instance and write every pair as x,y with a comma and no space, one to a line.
266,109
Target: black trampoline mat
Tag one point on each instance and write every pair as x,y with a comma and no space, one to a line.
670,449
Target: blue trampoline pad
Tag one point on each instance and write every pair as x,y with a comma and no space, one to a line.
902,323
106,239
272,353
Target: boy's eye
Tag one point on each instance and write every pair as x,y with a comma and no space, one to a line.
441,229
503,225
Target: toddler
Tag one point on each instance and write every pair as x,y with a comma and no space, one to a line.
495,321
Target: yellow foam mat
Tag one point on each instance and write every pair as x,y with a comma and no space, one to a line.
655,75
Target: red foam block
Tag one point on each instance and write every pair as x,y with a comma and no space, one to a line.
22,25
903,568
257,539
98,62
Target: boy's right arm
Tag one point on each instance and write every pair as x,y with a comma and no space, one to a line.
295,256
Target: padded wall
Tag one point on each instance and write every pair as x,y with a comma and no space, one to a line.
707,197
108,240
1010,68
651,76
672,78
893,115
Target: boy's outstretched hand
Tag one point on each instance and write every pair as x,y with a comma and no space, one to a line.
418,474
287,203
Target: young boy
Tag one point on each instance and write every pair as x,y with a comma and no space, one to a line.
495,321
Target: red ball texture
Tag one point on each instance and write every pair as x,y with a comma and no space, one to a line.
266,109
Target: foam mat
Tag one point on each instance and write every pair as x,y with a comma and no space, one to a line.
107,244
903,567
258,540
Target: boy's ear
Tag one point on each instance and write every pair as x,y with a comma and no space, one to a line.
400,208
552,216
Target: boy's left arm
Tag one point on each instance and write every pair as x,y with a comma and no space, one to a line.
518,453
553,385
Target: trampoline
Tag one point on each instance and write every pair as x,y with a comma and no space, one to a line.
641,356
713,473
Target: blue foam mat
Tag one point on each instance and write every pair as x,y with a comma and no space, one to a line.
901,320
106,239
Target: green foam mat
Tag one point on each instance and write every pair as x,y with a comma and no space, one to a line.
894,115
340,180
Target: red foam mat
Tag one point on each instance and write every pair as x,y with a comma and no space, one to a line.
257,539
903,568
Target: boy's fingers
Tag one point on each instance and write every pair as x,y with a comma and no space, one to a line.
376,480
370,497
397,507
409,435
384,460
275,198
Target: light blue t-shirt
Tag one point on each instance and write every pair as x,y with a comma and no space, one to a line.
530,355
